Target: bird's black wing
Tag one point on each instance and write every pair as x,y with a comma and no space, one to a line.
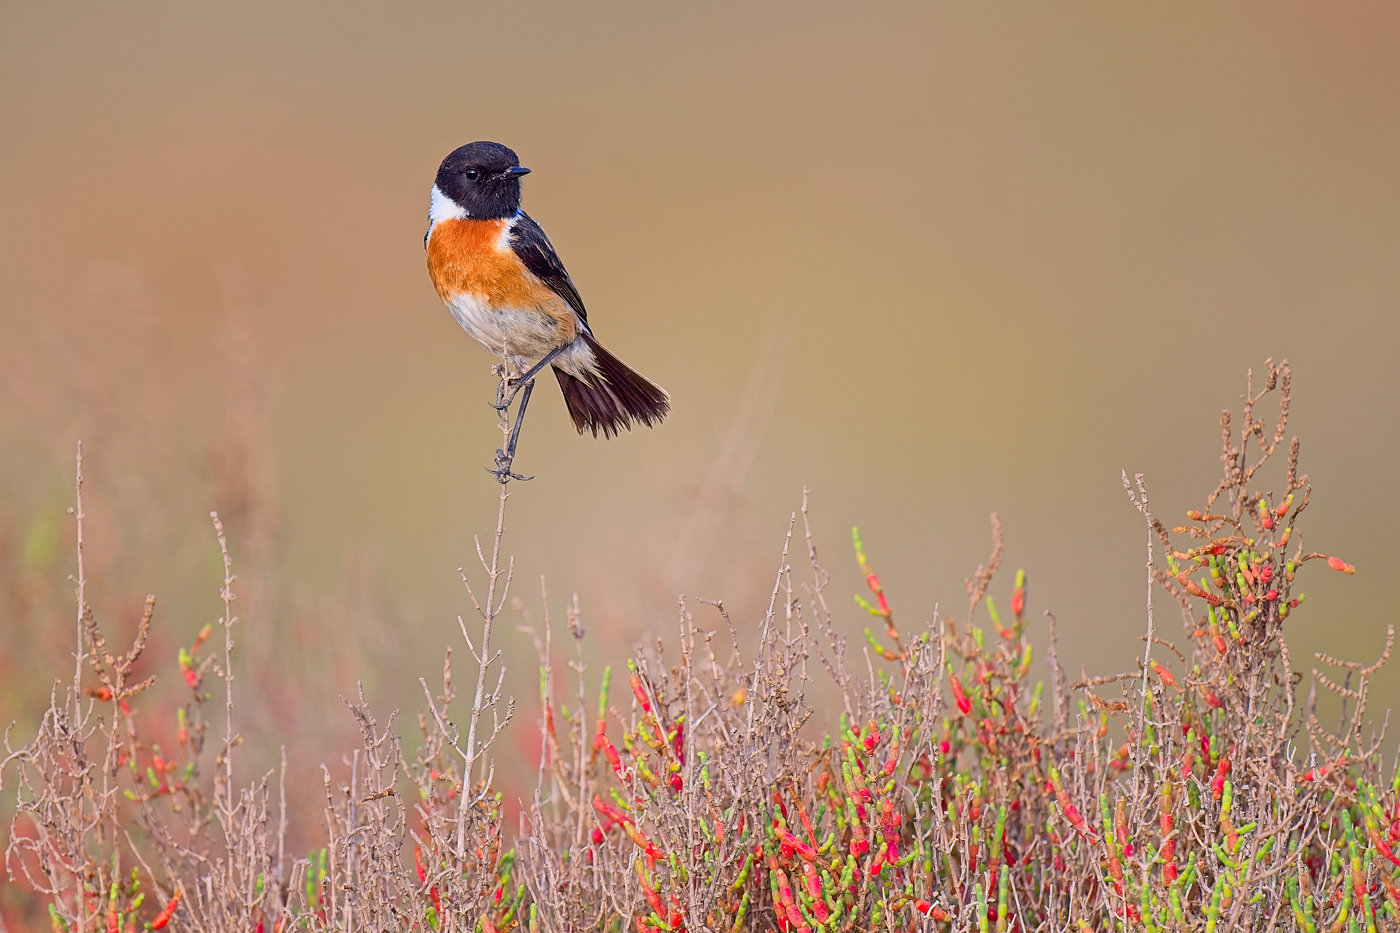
528,241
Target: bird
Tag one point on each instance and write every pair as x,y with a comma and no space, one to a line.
495,269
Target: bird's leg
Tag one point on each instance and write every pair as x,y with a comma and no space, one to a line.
505,457
505,392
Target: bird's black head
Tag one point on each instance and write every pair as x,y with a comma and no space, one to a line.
482,179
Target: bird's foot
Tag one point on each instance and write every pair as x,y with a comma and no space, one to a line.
502,472
505,394
512,383
506,388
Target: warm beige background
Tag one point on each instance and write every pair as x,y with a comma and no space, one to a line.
930,260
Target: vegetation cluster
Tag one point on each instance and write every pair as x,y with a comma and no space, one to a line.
1198,792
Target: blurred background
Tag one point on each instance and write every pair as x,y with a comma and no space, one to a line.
929,260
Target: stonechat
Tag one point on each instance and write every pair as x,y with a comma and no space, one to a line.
500,277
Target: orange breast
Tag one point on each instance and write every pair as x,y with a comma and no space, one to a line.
470,256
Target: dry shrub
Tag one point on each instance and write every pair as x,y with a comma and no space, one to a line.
118,835
1192,793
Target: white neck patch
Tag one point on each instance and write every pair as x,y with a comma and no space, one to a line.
443,208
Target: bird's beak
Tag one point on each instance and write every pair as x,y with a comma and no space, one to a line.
516,172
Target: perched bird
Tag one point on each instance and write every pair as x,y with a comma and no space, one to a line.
498,274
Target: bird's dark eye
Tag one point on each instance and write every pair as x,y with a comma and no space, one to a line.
472,174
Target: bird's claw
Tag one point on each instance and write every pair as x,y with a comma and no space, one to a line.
505,476
502,472
506,393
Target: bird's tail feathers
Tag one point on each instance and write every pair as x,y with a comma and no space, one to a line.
614,397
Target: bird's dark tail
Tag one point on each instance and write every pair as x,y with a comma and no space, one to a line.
613,398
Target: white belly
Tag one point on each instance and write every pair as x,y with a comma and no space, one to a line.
519,332
526,335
